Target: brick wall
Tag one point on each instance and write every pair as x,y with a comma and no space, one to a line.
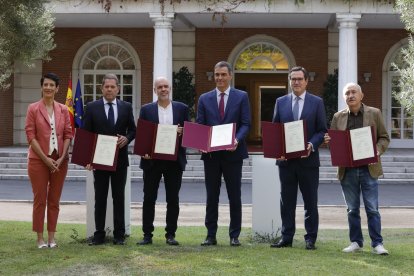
309,47
373,46
69,40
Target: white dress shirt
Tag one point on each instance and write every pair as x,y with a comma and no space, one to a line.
165,115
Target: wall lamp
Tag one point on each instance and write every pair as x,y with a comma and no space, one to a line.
312,76
367,76
209,75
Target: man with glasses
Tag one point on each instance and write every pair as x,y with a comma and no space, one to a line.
300,172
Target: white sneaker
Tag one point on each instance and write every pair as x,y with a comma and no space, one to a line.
353,247
379,250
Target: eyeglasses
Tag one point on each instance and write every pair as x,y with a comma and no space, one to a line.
296,79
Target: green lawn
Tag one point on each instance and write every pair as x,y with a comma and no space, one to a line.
19,255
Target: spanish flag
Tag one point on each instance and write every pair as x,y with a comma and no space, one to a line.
69,104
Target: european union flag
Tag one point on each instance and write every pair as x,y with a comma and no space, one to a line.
78,106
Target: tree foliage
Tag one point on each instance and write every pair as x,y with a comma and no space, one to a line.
406,82
183,89
25,34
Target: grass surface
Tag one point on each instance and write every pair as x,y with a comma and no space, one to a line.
20,256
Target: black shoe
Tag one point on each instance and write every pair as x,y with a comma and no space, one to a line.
234,242
281,243
209,241
171,241
310,245
119,241
145,241
96,242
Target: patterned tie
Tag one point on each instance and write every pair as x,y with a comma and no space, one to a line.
295,109
111,116
221,106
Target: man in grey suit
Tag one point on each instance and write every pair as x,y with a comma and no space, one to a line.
362,179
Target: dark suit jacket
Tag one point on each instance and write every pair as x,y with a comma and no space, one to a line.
314,114
372,117
95,120
237,111
149,112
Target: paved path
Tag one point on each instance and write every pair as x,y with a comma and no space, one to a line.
331,217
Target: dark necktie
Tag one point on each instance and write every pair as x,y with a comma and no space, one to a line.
111,116
295,109
221,106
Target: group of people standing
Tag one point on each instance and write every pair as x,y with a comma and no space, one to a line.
49,133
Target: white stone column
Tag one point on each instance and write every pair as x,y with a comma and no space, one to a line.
27,90
266,219
348,52
162,46
109,221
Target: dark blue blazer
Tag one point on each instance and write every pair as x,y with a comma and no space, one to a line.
314,114
237,111
149,112
95,120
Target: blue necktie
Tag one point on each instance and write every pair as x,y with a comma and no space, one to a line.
221,106
111,116
295,109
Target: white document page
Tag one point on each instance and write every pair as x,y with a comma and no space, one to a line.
105,150
166,139
294,136
361,141
221,135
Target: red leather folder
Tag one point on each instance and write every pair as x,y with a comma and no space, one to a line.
198,136
84,150
145,138
341,149
273,140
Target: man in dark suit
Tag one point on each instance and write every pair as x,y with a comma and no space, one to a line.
300,172
163,111
110,116
224,105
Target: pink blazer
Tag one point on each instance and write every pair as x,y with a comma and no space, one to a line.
38,127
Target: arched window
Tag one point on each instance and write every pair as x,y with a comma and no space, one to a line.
263,57
107,57
401,123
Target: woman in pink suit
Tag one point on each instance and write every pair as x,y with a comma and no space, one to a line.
48,131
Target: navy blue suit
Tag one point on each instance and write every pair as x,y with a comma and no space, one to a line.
155,169
95,120
302,172
225,163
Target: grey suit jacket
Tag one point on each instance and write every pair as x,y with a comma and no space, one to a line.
372,117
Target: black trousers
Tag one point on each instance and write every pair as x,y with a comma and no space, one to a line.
214,169
101,184
172,173
307,179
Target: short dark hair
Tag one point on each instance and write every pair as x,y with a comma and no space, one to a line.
299,68
110,77
50,76
221,64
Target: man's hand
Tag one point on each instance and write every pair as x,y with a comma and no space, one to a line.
122,141
236,143
146,156
309,149
89,167
281,158
326,139
179,130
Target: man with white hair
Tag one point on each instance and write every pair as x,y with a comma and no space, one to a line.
362,179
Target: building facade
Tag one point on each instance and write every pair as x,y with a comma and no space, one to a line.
140,40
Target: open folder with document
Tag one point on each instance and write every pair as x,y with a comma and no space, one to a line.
353,148
101,151
209,138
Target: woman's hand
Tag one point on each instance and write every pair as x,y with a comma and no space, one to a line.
52,165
